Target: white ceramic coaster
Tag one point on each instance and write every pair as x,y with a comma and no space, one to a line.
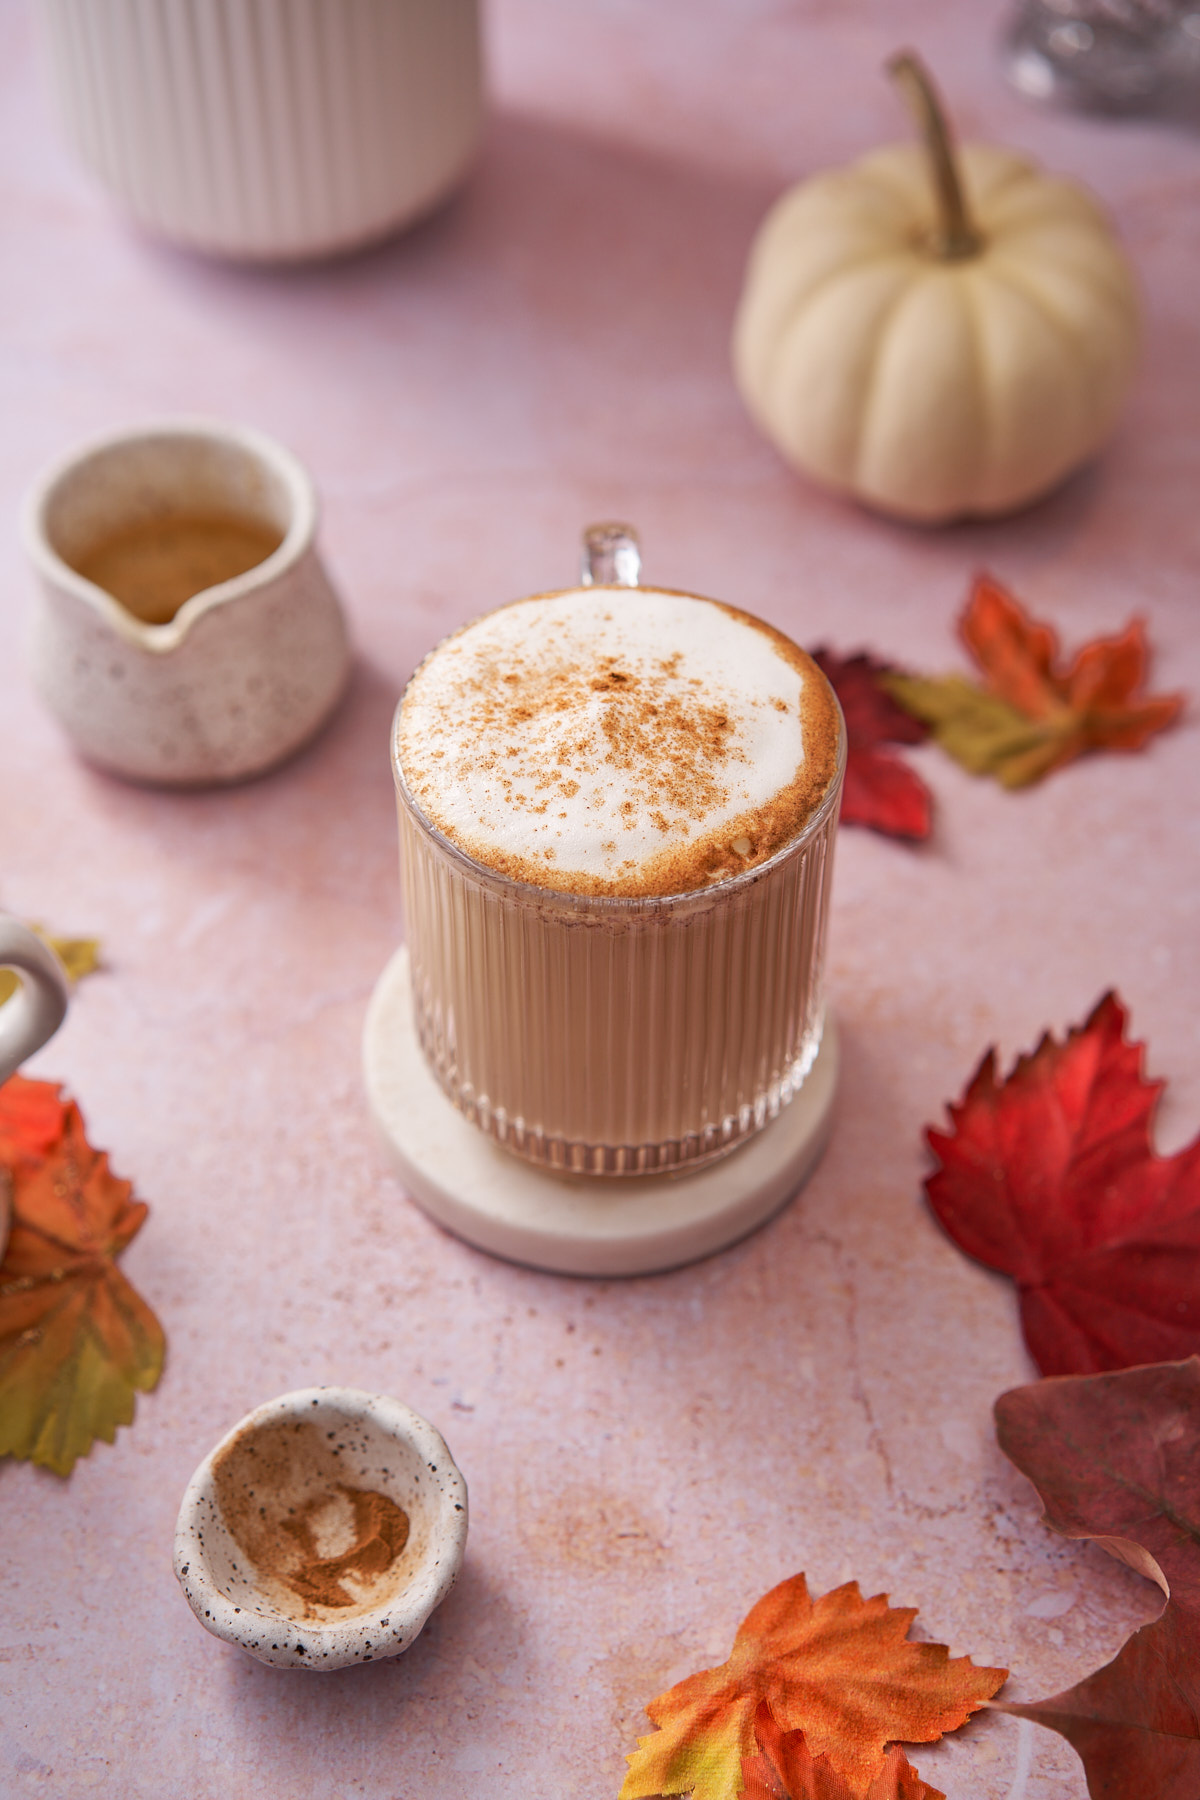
575,1224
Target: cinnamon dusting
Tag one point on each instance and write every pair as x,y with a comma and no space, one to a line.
653,748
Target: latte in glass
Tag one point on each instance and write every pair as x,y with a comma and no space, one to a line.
617,808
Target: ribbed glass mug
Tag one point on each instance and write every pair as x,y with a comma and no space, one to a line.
607,1035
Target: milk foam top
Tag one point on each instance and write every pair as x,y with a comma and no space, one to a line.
620,741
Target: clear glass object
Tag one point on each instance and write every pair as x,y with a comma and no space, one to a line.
1107,55
618,1036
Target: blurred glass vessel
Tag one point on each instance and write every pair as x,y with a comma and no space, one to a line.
1116,56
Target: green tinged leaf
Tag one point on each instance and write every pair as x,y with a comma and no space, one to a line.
980,730
61,1385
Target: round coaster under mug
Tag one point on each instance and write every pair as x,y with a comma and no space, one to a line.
577,1224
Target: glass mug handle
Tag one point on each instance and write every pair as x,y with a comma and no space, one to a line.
34,1013
612,556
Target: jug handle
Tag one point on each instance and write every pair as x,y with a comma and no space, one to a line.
34,1013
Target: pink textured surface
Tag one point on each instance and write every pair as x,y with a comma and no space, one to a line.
644,1458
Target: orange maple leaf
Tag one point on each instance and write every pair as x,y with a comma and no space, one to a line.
840,1669
1032,714
32,1117
76,1340
786,1769
1100,688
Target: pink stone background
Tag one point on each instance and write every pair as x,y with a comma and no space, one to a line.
644,1457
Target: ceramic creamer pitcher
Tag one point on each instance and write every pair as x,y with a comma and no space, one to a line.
246,670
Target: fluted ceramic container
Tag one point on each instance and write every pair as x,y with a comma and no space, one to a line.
269,129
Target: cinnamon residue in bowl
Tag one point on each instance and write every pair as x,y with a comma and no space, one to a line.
380,1534
294,1502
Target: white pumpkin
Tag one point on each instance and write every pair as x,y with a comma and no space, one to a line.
939,336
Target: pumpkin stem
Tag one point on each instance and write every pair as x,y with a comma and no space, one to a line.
957,236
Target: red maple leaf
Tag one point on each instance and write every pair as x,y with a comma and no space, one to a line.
1114,1458
1050,1176
879,790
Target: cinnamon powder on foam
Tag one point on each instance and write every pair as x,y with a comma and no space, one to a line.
674,755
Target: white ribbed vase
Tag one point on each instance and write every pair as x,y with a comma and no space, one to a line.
270,129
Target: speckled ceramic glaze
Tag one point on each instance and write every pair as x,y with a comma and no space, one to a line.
298,1456
246,672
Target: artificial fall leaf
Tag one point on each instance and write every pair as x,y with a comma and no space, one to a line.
786,1769
841,1669
1050,1176
32,1119
1116,1457
76,1340
879,789
78,956
1133,1723
1032,714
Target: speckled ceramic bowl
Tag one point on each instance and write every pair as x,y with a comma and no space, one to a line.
323,1530
246,671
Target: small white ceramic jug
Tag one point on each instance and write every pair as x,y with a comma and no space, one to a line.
34,1013
246,671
